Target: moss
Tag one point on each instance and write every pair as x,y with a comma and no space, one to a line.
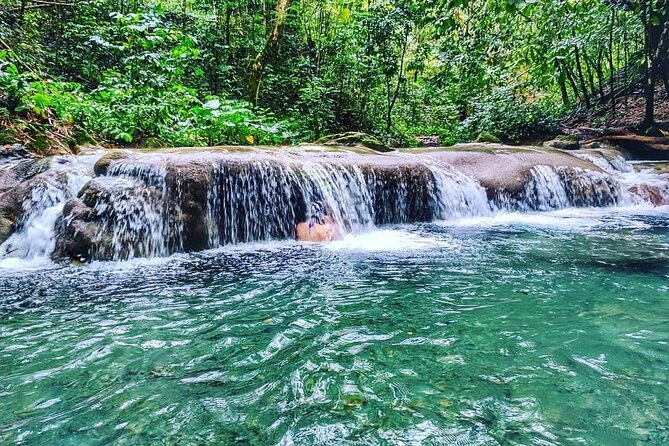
487,137
567,138
8,136
102,165
355,139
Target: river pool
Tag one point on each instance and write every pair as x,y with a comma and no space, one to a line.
517,329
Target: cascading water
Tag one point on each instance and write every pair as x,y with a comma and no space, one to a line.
552,188
612,163
263,200
155,205
640,183
34,236
457,194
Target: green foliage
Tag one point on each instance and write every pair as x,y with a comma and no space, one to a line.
509,117
144,102
176,73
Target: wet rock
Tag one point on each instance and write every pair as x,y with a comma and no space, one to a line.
503,169
564,142
75,232
6,227
653,194
15,150
592,145
102,165
16,182
28,169
187,187
10,210
156,204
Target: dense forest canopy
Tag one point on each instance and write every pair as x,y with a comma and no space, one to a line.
193,73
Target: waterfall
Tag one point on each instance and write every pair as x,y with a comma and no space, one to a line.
157,204
611,163
34,236
551,188
263,200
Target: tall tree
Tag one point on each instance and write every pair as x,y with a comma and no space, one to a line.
268,51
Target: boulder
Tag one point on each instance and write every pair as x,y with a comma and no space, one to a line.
504,169
30,168
355,139
564,142
15,150
487,137
428,141
653,194
75,232
187,184
102,165
15,184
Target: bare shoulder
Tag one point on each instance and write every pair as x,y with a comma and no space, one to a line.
302,230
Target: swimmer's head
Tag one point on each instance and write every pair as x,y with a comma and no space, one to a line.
320,213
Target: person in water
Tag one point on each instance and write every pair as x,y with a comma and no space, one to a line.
320,227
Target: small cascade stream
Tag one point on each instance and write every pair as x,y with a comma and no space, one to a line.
34,236
158,204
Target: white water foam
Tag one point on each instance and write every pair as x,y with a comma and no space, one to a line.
388,240
569,219
35,238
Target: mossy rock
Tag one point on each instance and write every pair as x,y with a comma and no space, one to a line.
355,139
102,165
487,137
564,142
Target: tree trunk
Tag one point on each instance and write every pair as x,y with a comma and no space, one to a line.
627,61
649,95
268,52
581,78
591,66
600,73
572,82
649,82
400,77
228,34
656,49
562,83
597,67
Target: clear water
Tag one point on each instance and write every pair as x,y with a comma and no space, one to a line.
542,329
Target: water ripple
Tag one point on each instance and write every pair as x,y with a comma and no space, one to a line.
520,336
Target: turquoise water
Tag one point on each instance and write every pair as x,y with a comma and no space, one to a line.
548,329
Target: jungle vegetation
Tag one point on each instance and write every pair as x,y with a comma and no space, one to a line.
195,73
